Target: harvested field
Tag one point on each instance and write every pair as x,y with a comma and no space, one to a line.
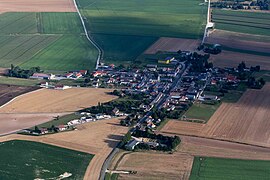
198,146
182,127
232,59
37,6
240,41
55,101
98,138
14,122
173,45
246,121
156,166
8,92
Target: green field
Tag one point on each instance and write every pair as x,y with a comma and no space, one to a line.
244,22
229,169
31,160
201,111
53,41
131,23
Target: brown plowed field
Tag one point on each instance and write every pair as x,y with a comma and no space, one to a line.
55,101
240,41
37,6
173,45
98,138
156,166
246,121
8,92
232,59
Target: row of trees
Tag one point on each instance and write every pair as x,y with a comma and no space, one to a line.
16,71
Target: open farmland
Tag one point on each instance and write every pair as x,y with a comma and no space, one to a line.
40,161
243,22
98,138
37,6
173,45
252,44
156,166
233,59
8,92
126,20
55,101
53,41
218,168
250,126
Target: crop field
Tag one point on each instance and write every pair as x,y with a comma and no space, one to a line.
225,169
232,59
53,41
159,166
245,121
201,111
127,19
243,22
8,92
67,53
37,6
98,138
173,45
32,160
57,101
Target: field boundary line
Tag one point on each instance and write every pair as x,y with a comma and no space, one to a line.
89,38
13,99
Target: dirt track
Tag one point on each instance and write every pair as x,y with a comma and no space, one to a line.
232,59
96,138
173,45
57,101
156,166
37,6
246,121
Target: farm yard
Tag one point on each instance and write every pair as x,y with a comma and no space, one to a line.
41,161
58,101
218,168
125,21
37,6
98,138
243,22
53,41
251,126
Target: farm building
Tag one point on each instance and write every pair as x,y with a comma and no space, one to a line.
42,76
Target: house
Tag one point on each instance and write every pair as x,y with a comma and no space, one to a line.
99,73
78,75
115,112
99,116
61,127
83,72
43,131
68,75
131,144
61,87
42,76
44,84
